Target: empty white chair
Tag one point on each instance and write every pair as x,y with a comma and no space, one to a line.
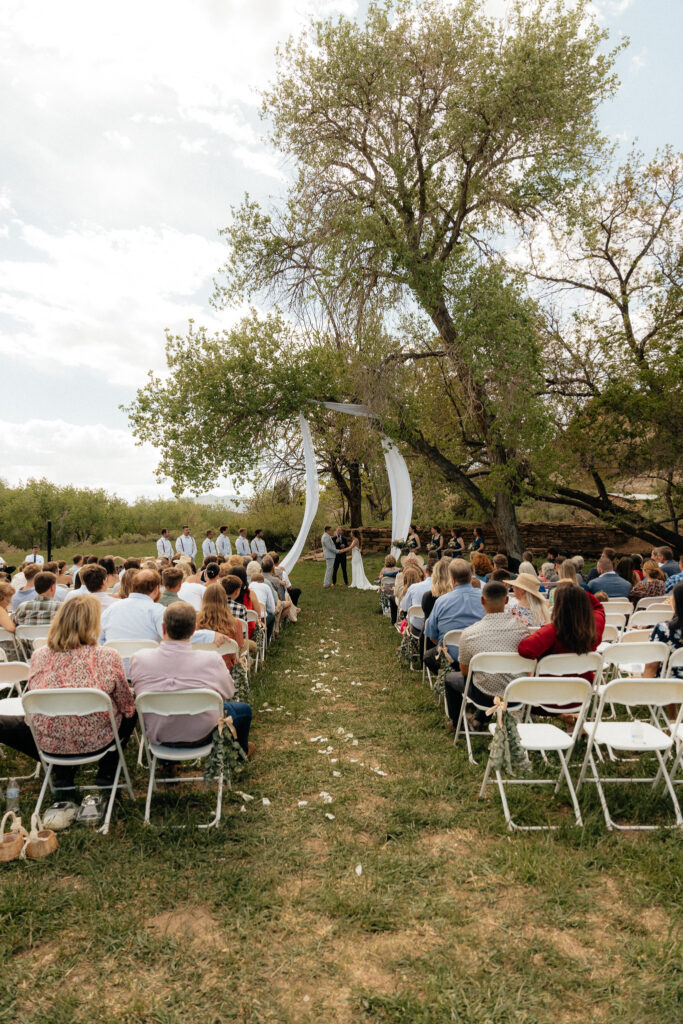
12,675
7,637
631,654
646,602
635,737
495,663
646,619
77,701
662,609
619,604
610,635
541,737
675,663
617,619
180,702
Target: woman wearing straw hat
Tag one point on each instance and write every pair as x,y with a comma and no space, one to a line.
530,606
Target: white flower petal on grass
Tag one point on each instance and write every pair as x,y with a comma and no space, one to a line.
337,775
244,796
359,869
354,743
243,808
326,797
329,816
333,760
303,803
265,802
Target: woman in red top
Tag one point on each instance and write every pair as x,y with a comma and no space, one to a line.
576,626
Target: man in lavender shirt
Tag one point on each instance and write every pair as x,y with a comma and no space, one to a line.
174,665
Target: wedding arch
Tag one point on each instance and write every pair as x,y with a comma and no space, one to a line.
397,471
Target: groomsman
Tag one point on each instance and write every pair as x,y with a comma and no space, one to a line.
223,544
208,546
185,544
242,544
34,557
164,546
340,559
258,546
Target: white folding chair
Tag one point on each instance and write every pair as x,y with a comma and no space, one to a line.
646,619
629,658
27,634
227,647
79,702
7,637
497,663
619,604
610,635
617,619
12,675
127,648
252,616
647,602
546,692
167,705
3,656
451,639
634,737
571,665
663,610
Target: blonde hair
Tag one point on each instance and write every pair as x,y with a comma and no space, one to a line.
537,605
411,574
6,590
215,612
127,583
76,624
567,571
441,578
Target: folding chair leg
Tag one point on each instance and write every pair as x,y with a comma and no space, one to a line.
43,789
150,788
669,785
485,780
503,799
219,802
570,787
104,827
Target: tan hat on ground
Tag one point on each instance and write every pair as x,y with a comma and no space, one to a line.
525,581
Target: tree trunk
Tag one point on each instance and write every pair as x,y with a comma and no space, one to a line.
505,523
355,496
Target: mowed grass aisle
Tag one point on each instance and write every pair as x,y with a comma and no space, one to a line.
401,900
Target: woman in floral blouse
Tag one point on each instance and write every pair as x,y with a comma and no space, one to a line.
653,585
670,633
72,658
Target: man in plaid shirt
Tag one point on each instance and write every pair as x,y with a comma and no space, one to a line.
43,607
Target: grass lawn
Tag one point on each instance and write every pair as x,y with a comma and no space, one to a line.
268,919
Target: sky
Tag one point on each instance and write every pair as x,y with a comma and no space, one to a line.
127,132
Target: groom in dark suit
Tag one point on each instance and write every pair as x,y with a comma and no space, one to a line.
340,560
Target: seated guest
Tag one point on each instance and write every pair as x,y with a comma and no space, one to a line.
441,583
72,658
232,585
609,581
125,587
94,580
171,579
293,592
676,578
653,583
216,615
390,569
264,595
669,632
411,574
576,626
192,591
175,666
548,574
567,571
530,606
625,570
109,566
499,576
74,569
286,609
28,590
665,560
460,608
413,595
527,568
607,552
578,565
637,567
481,565
139,617
496,631
499,562
43,607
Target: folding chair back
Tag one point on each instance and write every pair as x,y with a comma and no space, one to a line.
549,691
632,636
647,602
634,653
25,635
252,616
13,674
227,647
640,692
675,661
452,638
7,637
617,619
664,610
38,642
647,618
76,701
415,612
179,702
619,604
570,665
3,656
127,648
610,634
506,662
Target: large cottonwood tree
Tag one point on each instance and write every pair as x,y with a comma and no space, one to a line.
413,136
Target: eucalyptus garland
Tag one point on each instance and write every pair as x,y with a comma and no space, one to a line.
240,678
226,755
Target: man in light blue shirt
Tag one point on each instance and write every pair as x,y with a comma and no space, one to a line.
414,595
457,610
139,616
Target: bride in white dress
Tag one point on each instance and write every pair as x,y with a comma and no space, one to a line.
358,578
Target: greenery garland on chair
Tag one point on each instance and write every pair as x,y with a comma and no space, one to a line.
507,753
226,755
240,678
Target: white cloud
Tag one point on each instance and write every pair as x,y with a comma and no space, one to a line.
118,139
102,298
90,455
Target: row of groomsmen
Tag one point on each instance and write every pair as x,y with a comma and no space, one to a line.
186,545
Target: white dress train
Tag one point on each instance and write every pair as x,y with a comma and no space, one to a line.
358,578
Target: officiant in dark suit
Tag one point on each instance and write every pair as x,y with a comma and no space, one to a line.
340,560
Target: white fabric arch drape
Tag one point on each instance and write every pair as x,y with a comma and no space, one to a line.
399,485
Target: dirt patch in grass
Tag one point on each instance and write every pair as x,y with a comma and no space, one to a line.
190,922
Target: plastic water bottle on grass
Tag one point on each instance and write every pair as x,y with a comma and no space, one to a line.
13,795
